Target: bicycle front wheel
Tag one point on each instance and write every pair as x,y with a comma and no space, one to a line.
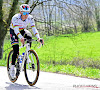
9,63
31,68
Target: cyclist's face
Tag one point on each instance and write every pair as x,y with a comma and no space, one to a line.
23,16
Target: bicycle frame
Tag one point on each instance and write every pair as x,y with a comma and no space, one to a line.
27,45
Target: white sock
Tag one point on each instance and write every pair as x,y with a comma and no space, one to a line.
12,67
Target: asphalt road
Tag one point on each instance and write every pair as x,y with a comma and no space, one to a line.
48,81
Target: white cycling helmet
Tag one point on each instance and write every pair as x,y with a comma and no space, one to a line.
24,8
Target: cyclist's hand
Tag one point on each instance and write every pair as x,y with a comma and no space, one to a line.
41,41
22,41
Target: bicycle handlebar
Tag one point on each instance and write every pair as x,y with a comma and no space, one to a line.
30,40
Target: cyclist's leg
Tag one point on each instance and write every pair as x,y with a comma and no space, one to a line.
15,45
14,56
15,53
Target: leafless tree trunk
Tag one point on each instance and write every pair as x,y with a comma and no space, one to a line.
4,25
97,18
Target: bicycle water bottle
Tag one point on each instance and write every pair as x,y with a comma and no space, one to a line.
23,55
20,60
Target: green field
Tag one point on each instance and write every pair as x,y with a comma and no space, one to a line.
75,54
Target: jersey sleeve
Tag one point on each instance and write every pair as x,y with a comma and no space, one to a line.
35,31
15,26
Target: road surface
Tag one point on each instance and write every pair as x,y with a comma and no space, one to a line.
48,81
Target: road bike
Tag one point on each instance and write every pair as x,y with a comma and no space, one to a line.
30,64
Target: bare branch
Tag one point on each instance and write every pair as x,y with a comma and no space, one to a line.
68,5
36,3
27,1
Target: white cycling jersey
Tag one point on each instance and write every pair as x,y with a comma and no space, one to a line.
17,24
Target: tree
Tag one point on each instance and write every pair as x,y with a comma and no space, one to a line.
5,24
96,6
97,18
79,13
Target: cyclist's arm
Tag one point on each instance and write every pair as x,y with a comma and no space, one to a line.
37,35
15,26
16,30
35,31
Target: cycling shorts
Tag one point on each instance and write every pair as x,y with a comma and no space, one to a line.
14,37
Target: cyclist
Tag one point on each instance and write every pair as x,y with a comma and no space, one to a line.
17,30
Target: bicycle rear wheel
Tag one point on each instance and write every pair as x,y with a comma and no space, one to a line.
31,68
9,63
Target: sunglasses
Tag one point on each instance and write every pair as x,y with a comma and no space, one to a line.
25,13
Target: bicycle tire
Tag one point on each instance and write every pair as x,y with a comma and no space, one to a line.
8,67
35,77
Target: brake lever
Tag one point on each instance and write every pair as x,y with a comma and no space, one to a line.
41,42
